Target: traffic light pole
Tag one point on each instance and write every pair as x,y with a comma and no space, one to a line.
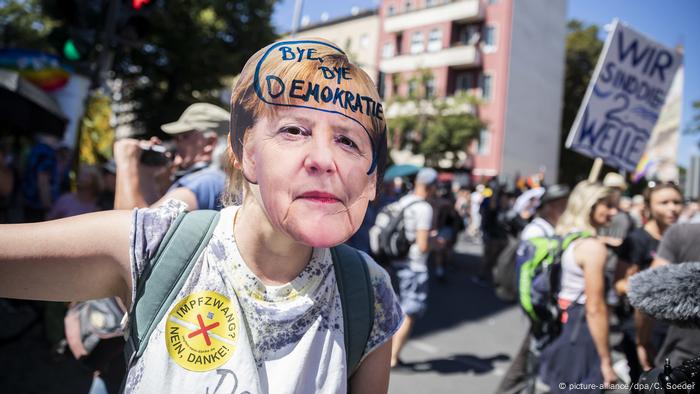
106,50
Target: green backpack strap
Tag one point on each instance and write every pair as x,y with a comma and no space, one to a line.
571,237
357,300
165,275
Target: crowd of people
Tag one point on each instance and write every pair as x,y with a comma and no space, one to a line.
292,183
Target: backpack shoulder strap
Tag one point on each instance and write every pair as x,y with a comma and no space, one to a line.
357,300
411,203
166,273
571,237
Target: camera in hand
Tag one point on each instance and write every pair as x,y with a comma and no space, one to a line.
154,156
684,378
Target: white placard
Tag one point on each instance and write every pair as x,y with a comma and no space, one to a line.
624,98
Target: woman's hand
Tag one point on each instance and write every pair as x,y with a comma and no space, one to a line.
609,375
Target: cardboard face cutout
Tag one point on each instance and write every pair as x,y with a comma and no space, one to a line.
322,84
314,136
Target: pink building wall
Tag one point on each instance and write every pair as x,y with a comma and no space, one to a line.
529,37
500,15
495,63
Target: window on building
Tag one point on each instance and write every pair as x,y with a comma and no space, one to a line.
417,44
464,82
469,34
408,6
395,83
430,88
412,88
492,2
486,86
399,43
435,40
484,142
390,10
490,38
381,86
388,50
431,3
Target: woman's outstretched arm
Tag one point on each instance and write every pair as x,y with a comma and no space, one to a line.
78,258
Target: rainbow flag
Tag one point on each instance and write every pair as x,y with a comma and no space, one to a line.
643,167
42,69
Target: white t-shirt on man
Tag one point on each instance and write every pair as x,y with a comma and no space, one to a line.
418,215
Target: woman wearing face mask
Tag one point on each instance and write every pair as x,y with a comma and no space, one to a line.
260,311
581,353
663,203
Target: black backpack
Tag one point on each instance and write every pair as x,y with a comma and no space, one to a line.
387,238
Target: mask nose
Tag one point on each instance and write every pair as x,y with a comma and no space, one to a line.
319,160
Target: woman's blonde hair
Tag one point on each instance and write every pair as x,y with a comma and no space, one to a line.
582,199
295,73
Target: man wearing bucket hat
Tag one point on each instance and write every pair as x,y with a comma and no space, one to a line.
198,180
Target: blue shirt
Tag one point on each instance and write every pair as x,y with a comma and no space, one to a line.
42,158
207,185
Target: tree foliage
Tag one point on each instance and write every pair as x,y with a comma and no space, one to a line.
96,134
169,54
582,50
432,126
23,24
191,46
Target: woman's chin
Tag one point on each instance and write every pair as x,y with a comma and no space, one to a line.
323,235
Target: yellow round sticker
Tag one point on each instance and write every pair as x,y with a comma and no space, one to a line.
202,331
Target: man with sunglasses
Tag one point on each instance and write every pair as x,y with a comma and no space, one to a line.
198,180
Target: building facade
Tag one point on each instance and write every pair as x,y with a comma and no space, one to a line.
508,53
357,35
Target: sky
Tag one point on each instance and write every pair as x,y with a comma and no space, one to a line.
670,22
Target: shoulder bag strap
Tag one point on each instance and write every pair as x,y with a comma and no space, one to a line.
165,275
357,300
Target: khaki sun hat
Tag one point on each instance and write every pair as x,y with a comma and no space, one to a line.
201,117
615,180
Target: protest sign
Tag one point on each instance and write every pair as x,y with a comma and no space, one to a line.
624,98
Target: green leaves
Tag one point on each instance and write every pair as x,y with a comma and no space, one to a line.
432,126
582,50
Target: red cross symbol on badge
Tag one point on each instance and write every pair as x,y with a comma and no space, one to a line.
203,330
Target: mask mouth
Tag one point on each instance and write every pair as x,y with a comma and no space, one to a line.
320,197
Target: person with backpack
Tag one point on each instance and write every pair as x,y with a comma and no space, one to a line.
261,297
581,351
411,270
549,209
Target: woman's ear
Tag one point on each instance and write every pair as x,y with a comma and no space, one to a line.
371,190
247,164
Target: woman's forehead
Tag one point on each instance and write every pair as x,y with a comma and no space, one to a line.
306,115
316,75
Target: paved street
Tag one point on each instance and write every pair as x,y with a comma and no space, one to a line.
467,338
